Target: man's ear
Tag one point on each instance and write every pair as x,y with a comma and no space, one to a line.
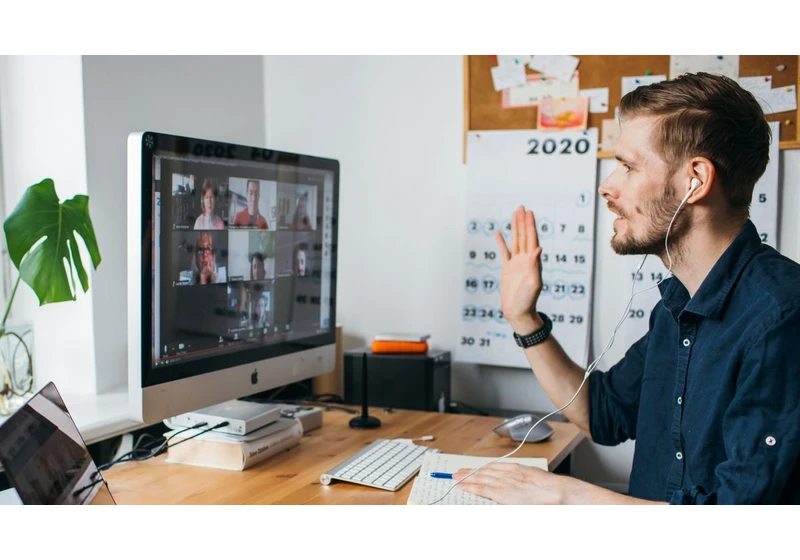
700,169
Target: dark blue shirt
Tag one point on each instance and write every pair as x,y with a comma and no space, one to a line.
711,393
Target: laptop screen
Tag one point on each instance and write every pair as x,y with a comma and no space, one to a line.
45,457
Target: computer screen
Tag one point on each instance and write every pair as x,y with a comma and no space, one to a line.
45,457
232,260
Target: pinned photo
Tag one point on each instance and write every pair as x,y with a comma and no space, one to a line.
564,114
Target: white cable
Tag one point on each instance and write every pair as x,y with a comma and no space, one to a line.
591,367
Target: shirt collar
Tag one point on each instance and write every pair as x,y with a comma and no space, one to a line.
710,298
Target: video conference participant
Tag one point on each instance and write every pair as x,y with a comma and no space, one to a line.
251,216
301,219
208,202
204,269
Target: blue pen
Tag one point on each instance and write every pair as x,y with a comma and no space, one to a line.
441,475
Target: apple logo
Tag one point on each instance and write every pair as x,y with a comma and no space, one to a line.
254,377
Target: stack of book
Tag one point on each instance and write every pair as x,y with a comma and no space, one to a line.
229,451
400,343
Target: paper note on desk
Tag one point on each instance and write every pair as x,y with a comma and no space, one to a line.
427,490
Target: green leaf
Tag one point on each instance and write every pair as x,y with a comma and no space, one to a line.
40,216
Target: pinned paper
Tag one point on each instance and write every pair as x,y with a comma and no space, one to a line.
598,99
610,135
630,83
513,59
778,100
559,66
564,114
756,83
537,88
508,76
727,65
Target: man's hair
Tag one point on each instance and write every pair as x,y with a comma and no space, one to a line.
256,255
709,116
254,181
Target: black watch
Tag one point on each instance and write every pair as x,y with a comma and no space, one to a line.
537,336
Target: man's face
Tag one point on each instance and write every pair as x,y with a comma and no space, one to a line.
301,263
260,307
253,194
301,208
204,252
257,269
641,193
208,202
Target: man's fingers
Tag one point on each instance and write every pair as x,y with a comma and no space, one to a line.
521,232
514,230
530,228
501,245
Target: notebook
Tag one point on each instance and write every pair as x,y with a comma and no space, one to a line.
427,490
45,457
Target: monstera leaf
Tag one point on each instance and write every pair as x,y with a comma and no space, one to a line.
40,217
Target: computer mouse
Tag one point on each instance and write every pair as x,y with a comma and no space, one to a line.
516,428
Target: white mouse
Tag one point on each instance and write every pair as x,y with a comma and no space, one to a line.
516,428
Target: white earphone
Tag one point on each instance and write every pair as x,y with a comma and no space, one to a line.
695,183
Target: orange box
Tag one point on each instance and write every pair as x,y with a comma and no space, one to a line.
398,347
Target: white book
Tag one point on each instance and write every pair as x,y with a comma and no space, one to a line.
236,453
434,491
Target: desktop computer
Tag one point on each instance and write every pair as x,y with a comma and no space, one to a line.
231,272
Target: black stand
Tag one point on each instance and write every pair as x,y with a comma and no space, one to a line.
365,420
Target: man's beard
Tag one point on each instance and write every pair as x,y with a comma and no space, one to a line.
659,213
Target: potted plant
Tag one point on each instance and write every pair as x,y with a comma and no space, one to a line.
41,242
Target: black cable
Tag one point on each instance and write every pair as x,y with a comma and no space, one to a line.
153,451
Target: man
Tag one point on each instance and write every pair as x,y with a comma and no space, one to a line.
250,216
300,262
711,392
257,270
204,266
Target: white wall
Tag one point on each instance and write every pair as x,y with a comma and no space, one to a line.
214,97
395,123
41,112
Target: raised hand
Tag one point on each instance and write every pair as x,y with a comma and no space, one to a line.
521,275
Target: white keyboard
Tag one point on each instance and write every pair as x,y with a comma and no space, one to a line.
385,463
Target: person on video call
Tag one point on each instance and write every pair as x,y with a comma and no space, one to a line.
301,221
250,216
710,393
300,262
204,266
260,313
208,200
257,270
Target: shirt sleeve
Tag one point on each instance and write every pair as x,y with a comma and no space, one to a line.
761,427
614,395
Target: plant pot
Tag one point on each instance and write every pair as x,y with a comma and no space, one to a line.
16,367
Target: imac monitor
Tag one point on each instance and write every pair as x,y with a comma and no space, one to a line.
231,271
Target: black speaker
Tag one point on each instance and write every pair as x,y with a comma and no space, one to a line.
411,381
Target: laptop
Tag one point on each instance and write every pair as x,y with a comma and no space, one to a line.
45,457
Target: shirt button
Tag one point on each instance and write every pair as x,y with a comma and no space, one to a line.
771,441
686,342
679,455
680,400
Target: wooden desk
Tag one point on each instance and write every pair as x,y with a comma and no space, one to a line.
292,477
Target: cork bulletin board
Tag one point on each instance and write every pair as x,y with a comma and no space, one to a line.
483,105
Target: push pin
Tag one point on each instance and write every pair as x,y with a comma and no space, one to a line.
780,68
787,122
719,57
648,73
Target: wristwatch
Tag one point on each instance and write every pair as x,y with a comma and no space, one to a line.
537,336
